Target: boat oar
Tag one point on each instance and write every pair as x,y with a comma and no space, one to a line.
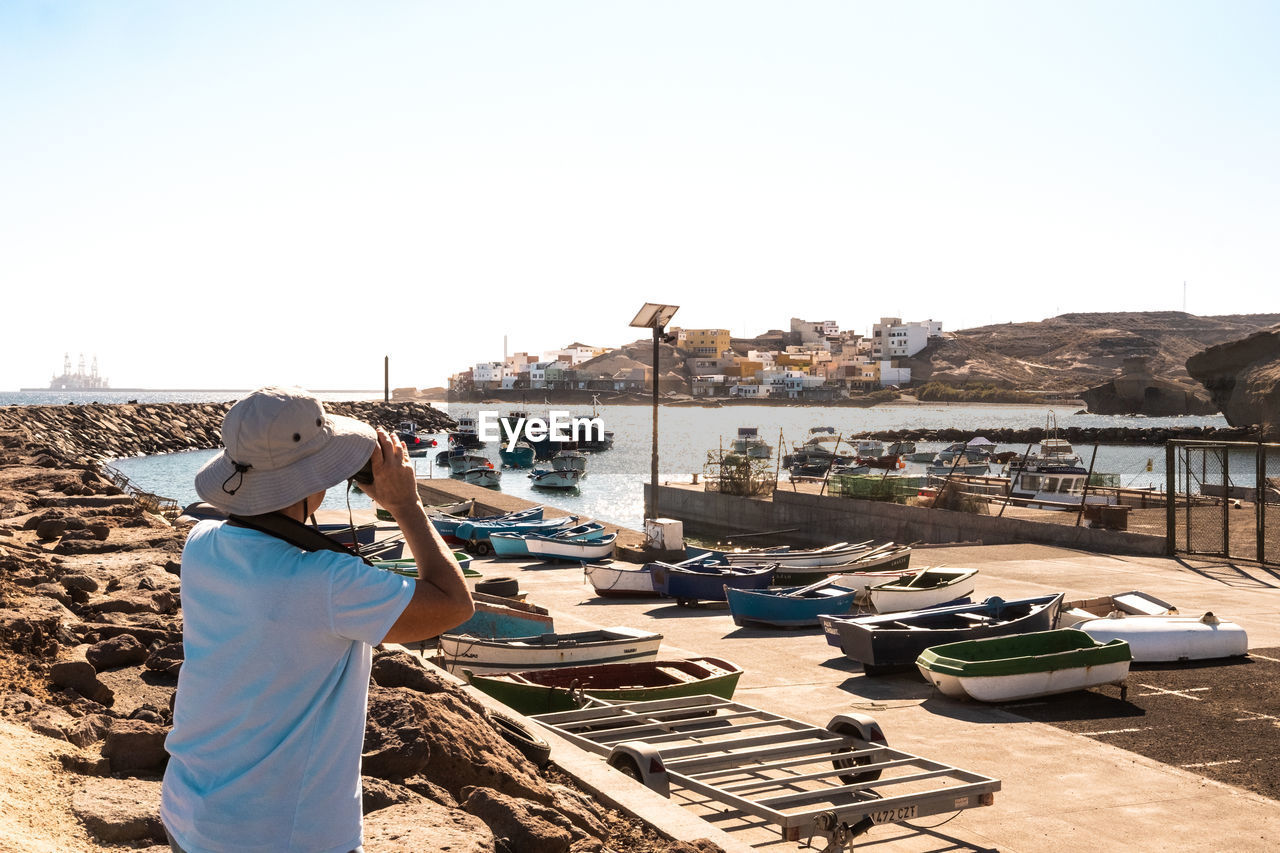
818,584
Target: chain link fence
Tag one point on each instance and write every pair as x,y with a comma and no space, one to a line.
1227,500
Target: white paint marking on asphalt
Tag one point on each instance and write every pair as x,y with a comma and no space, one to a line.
1263,657
1213,763
1116,731
1183,693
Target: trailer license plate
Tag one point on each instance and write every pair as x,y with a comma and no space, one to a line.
891,815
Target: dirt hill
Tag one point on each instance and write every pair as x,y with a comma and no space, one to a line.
1073,352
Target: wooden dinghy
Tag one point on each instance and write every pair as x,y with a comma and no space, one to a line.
621,580
831,555
1133,603
1165,639
1025,666
889,641
513,544
692,583
517,654
885,558
555,548
928,587
789,607
566,689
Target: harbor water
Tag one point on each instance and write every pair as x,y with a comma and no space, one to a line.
612,489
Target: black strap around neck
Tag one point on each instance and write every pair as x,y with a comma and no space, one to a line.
292,531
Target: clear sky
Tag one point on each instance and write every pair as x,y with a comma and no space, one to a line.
238,193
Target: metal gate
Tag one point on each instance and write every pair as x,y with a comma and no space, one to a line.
1226,500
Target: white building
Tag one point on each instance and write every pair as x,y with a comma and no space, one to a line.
812,332
488,372
538,374
892,338
750,389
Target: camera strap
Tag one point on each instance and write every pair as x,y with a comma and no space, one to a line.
294,532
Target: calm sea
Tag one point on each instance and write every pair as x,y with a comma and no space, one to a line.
612,489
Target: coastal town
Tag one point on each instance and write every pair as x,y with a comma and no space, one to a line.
810,361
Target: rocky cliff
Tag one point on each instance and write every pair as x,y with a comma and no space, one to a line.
1243,377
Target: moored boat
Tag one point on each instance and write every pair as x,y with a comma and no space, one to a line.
553,479
788,607
1165,639
520,456
1024,666
545,651
565,689
460,463
928,587
486,476
890,640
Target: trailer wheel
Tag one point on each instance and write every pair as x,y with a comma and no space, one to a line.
481,549
516,733
864,729
626,765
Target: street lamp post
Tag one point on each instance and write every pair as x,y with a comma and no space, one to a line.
654,316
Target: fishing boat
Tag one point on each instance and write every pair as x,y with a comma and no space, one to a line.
460,463
546,651
890,640
1025,666
486,476
789,606
963,465
507,544
496,616
476,536
831,555
928,587
887,460
859,581
466,434
460,509
901,448
566,689
889,557
622,580
345,534
1132,603
409,567
553,479
569,460
520,456
555,548
749,443
690,584
868,448
1165,639
447,525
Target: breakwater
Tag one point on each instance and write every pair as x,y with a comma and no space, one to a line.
101,431
1075,435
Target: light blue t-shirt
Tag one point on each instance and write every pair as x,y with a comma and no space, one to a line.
268,726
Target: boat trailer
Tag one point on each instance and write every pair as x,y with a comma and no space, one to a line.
834,782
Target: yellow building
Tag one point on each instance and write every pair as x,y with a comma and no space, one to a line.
710,342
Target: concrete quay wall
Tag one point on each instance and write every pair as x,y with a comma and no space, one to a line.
821,519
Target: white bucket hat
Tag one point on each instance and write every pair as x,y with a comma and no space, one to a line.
281,446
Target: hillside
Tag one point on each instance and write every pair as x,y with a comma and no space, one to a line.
1072,352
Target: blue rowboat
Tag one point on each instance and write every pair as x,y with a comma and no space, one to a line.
477,535
507,544
893,640
691,584
497,617
789,606
447,525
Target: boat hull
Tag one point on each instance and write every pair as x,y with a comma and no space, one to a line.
622,580
896,560
551,690
608,645
505,619
1167,639
777,608
928,588
689,584
552,548
1025,666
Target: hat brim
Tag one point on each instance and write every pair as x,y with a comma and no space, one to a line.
350,445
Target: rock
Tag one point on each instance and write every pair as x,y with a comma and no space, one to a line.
379,794
51,528
117,811
426,788
424,825
123,650
1243,378
80,581
74,672
167,659
99,531
135,746
528,826
1136,391
136,601
89,730
394,746
401,669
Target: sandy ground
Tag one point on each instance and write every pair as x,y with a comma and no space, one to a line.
29,762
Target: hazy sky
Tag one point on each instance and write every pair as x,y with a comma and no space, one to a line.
233,194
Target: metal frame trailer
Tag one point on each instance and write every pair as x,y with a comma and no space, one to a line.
834,782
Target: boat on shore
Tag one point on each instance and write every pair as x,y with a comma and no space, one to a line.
447,525
790,606
885,558
1025,666
617,579
567,688
1132,603
831,555
546,651
575,550
510,544
882,642
1169,639
689,584
929,587
496,616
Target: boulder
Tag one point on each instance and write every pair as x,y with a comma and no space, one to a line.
122,650
425,825
1243,378
73,671
120,811
135,746
527,826
377,794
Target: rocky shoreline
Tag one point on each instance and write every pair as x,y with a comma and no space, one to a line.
90,624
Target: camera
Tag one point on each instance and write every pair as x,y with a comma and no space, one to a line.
365,474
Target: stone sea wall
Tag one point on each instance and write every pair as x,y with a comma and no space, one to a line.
1076,435
99,431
